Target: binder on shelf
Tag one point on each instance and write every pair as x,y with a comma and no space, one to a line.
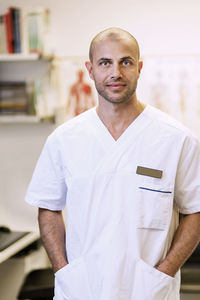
9,32
15,13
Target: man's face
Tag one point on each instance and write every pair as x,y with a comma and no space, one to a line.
115,69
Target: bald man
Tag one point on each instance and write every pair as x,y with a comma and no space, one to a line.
125,171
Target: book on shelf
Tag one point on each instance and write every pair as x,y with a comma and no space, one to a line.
9,32
16,29
3,36
37,27
24,30
14,98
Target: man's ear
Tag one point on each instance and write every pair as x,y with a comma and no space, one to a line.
140,65
88,65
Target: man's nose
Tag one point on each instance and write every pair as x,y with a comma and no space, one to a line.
116,72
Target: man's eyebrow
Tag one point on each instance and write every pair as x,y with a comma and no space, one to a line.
104,59
127,57
110,59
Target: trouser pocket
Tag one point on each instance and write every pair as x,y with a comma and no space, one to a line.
150,284
71,282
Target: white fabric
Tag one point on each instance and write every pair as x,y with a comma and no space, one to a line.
119,224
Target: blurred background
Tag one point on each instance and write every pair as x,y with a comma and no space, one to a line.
43,82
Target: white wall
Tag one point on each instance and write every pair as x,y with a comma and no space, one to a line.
20,146
161,27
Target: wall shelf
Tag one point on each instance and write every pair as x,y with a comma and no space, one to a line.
19,119
19,57
23,57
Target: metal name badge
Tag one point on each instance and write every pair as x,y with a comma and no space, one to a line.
149,172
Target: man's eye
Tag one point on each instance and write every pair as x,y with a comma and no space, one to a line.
126,63
104,63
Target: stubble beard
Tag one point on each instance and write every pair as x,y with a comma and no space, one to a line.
125,98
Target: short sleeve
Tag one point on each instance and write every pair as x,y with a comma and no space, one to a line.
47,188
187,185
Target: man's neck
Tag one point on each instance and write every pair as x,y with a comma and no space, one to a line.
117,117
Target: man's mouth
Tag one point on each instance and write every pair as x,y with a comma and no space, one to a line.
116,86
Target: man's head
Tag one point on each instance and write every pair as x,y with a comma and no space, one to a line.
112,34
114,65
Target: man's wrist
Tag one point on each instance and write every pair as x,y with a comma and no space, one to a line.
57,267
164,268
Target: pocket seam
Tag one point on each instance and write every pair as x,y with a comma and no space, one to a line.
154,190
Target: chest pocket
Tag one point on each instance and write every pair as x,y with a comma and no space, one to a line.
154,205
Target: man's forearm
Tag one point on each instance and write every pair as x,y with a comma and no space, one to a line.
185,241
52,231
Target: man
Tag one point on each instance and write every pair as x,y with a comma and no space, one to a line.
125,171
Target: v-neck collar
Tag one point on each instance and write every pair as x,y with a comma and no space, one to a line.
105,136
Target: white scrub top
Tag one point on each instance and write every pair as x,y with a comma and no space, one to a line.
119,224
